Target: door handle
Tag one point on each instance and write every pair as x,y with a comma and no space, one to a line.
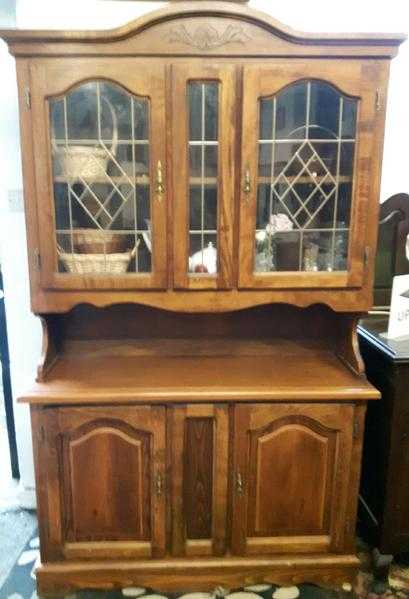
159,485
247,183
160,187
239,484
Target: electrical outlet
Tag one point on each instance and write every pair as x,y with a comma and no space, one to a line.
15,197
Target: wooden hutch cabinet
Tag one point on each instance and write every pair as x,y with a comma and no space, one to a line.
201,191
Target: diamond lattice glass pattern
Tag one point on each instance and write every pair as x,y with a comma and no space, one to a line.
100,147
305,173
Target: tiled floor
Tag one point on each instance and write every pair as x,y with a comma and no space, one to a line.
16,528
20,583
8,486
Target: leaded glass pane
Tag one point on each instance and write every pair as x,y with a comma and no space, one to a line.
100,146
305,169
203,99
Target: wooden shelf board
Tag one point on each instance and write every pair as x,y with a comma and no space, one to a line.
108,179
306,179
181,370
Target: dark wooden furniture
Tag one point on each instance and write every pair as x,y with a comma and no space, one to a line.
6,385
385,475
391,252
201,192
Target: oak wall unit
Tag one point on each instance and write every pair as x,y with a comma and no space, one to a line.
201,190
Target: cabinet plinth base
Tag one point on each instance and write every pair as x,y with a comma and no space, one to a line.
198,574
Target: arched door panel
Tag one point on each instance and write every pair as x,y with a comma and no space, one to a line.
110,496
306,149
291,474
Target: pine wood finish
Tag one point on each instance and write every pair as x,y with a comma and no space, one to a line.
175,44
194,430
226,76
351,78
118,454
291,478
50,81
200,466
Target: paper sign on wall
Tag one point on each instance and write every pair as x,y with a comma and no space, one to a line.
399,315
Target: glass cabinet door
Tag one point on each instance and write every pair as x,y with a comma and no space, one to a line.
203,167
102,204
301,189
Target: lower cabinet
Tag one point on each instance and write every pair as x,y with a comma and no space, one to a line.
101,481
193,480
291,477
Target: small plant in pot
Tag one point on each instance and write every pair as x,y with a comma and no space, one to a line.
266,259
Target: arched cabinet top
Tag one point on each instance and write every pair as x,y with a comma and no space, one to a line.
202,28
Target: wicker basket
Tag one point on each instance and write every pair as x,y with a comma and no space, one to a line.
87,162
99,241
97,264
82,161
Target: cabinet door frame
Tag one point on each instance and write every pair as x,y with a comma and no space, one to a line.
225,74
53,79
178,419
51,428
351,78
335,418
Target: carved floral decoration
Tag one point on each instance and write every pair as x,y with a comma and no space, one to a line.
206,37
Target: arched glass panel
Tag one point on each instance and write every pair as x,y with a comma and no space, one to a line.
100,148
305,174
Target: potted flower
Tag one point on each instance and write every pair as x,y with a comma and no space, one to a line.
265,243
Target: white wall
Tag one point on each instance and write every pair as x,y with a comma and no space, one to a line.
23,329
364,16
314,15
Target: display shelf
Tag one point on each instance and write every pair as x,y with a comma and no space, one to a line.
304,179
108,179
207,369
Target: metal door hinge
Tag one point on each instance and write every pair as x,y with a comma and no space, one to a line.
27,95
378,100
356,430
37,259
367,255
41,434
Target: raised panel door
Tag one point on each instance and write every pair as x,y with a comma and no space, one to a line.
199,466
291,473
110,493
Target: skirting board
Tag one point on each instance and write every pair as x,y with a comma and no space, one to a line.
15,496
27,498
181,574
